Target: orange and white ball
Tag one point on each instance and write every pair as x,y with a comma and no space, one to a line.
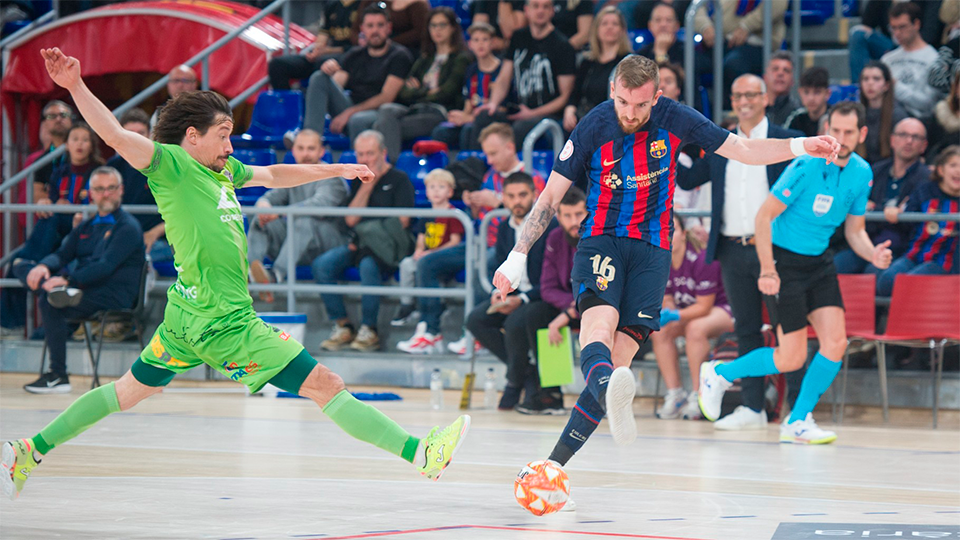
542,487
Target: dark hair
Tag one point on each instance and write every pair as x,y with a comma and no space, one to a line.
886,109
815,77
456,37
200,109
846,108
56,102
677,70
94,142
942,158
906,8
481,26
573,196
135,115
782,55
378,8
520,178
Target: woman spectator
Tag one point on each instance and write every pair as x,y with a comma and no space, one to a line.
946,126
694,307
934,249
573,18
883,112
608,45
434,86
408,19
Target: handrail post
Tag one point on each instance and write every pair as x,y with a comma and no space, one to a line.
768,31
795,42
286,28
688,56
718,61
291,263
205,74
542,127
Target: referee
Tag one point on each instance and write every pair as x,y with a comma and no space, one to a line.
793,228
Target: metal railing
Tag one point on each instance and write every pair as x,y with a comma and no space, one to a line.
43,19
544,127
689,60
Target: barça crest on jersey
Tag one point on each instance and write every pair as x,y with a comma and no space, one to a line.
822,204
658,148
602,283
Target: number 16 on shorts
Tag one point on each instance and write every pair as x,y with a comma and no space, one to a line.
604,271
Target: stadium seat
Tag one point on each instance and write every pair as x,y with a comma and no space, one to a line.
812,12
543,162
347,156
276,112
464,154
417,169
841,92
255,156
289,160
336,141
639,38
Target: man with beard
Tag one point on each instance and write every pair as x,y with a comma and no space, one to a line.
373,74
57,121
109,254
798,277
624,151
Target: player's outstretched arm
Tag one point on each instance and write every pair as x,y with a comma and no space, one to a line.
510,272
284,176
769,282
855,231
768,151
65,71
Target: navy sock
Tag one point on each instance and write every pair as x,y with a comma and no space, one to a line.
584,419
597,368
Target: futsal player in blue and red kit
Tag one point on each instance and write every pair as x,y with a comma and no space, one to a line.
624,155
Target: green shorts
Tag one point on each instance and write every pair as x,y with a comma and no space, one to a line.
239,345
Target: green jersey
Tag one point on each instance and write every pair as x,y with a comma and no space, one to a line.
205,227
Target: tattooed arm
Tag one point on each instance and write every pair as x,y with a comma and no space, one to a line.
510,272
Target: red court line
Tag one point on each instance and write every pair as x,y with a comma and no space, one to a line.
494,528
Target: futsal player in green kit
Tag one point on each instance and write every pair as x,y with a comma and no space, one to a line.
209,318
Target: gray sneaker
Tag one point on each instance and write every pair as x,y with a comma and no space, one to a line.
340,338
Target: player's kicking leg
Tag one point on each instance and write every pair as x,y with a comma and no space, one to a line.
21,456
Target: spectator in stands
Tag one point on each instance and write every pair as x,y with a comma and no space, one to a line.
182,79
505,17
934,248
743,31
883,111
671,81
313,236
543,65
408,18
433,87
435,239
663,25
894,181
457,131
870,39
108,254
573,18
335,36
608,45
946,66
910,63
945,129
501,326
557,308
814,94
643,11
373,73
695,307
390,189
778,77
738,191
57,120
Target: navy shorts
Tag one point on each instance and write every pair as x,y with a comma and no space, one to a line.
628,274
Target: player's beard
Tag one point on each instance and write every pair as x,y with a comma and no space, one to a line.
845,152
629,130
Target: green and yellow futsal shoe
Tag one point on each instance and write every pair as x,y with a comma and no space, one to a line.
18,460
436,450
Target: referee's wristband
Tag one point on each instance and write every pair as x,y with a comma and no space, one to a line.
796,146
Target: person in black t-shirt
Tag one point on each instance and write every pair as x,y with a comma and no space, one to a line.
542,65
504,16
333,38
814,94
573,19
373,74
608,45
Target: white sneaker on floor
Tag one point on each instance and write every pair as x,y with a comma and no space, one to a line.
621,390
422,342
691,411
712,388
569,506
805,431
460,346
742,419
673,402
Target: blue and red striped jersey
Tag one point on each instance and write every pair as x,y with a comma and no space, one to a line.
934,241
629,178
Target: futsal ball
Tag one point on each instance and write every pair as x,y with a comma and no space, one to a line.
542,487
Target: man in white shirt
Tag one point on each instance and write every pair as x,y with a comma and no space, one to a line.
738,191
910,63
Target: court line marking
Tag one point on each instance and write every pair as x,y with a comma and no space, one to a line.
526,529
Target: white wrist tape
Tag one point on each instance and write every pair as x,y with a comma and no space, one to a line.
514,267
796,146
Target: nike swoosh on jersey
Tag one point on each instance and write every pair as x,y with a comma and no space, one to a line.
610,163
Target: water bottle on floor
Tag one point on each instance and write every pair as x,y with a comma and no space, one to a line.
436,390
490,390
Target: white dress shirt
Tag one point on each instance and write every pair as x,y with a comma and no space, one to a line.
745,190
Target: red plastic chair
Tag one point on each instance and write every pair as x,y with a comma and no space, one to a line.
860,317
924,312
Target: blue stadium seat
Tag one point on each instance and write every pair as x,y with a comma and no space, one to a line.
255,156
639,38
347,156
417,168
841,92
276,112
165,269
289,160
812,12
543,162
850,8
336,141
464,154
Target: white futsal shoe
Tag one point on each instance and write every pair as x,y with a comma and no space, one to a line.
712,388
805,431
621,390
742,419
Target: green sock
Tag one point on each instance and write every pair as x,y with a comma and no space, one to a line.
366,423
86,411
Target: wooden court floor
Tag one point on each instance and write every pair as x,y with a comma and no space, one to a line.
222,465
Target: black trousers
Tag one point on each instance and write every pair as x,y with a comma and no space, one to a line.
513,337
740,270
291,66
55,327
